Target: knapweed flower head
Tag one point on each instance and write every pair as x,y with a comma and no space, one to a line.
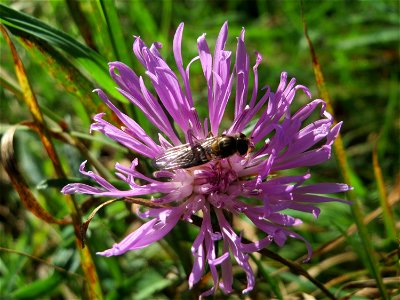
241,184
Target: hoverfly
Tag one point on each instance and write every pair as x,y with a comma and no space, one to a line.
201,152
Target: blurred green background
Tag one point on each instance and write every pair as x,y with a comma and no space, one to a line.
357,44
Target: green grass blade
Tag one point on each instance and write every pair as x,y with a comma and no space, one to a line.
85,57
65,74
82,22
391,112
272,281
87,264
345,168
387,213
117,38
144,20
39,288
121,51
166,22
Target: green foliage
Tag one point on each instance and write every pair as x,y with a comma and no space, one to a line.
65,47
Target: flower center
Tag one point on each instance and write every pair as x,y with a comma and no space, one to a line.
213,178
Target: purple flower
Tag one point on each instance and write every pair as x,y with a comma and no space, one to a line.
247,186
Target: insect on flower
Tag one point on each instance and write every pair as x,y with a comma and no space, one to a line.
227,180
197,153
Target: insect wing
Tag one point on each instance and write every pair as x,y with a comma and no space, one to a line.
174,158
183,156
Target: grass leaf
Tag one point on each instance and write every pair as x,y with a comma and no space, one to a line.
38,288
85,57
341,154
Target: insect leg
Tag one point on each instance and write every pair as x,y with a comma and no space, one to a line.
191,138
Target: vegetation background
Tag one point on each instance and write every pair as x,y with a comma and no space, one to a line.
65,50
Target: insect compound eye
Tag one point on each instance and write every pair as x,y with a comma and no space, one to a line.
242,146
227,146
